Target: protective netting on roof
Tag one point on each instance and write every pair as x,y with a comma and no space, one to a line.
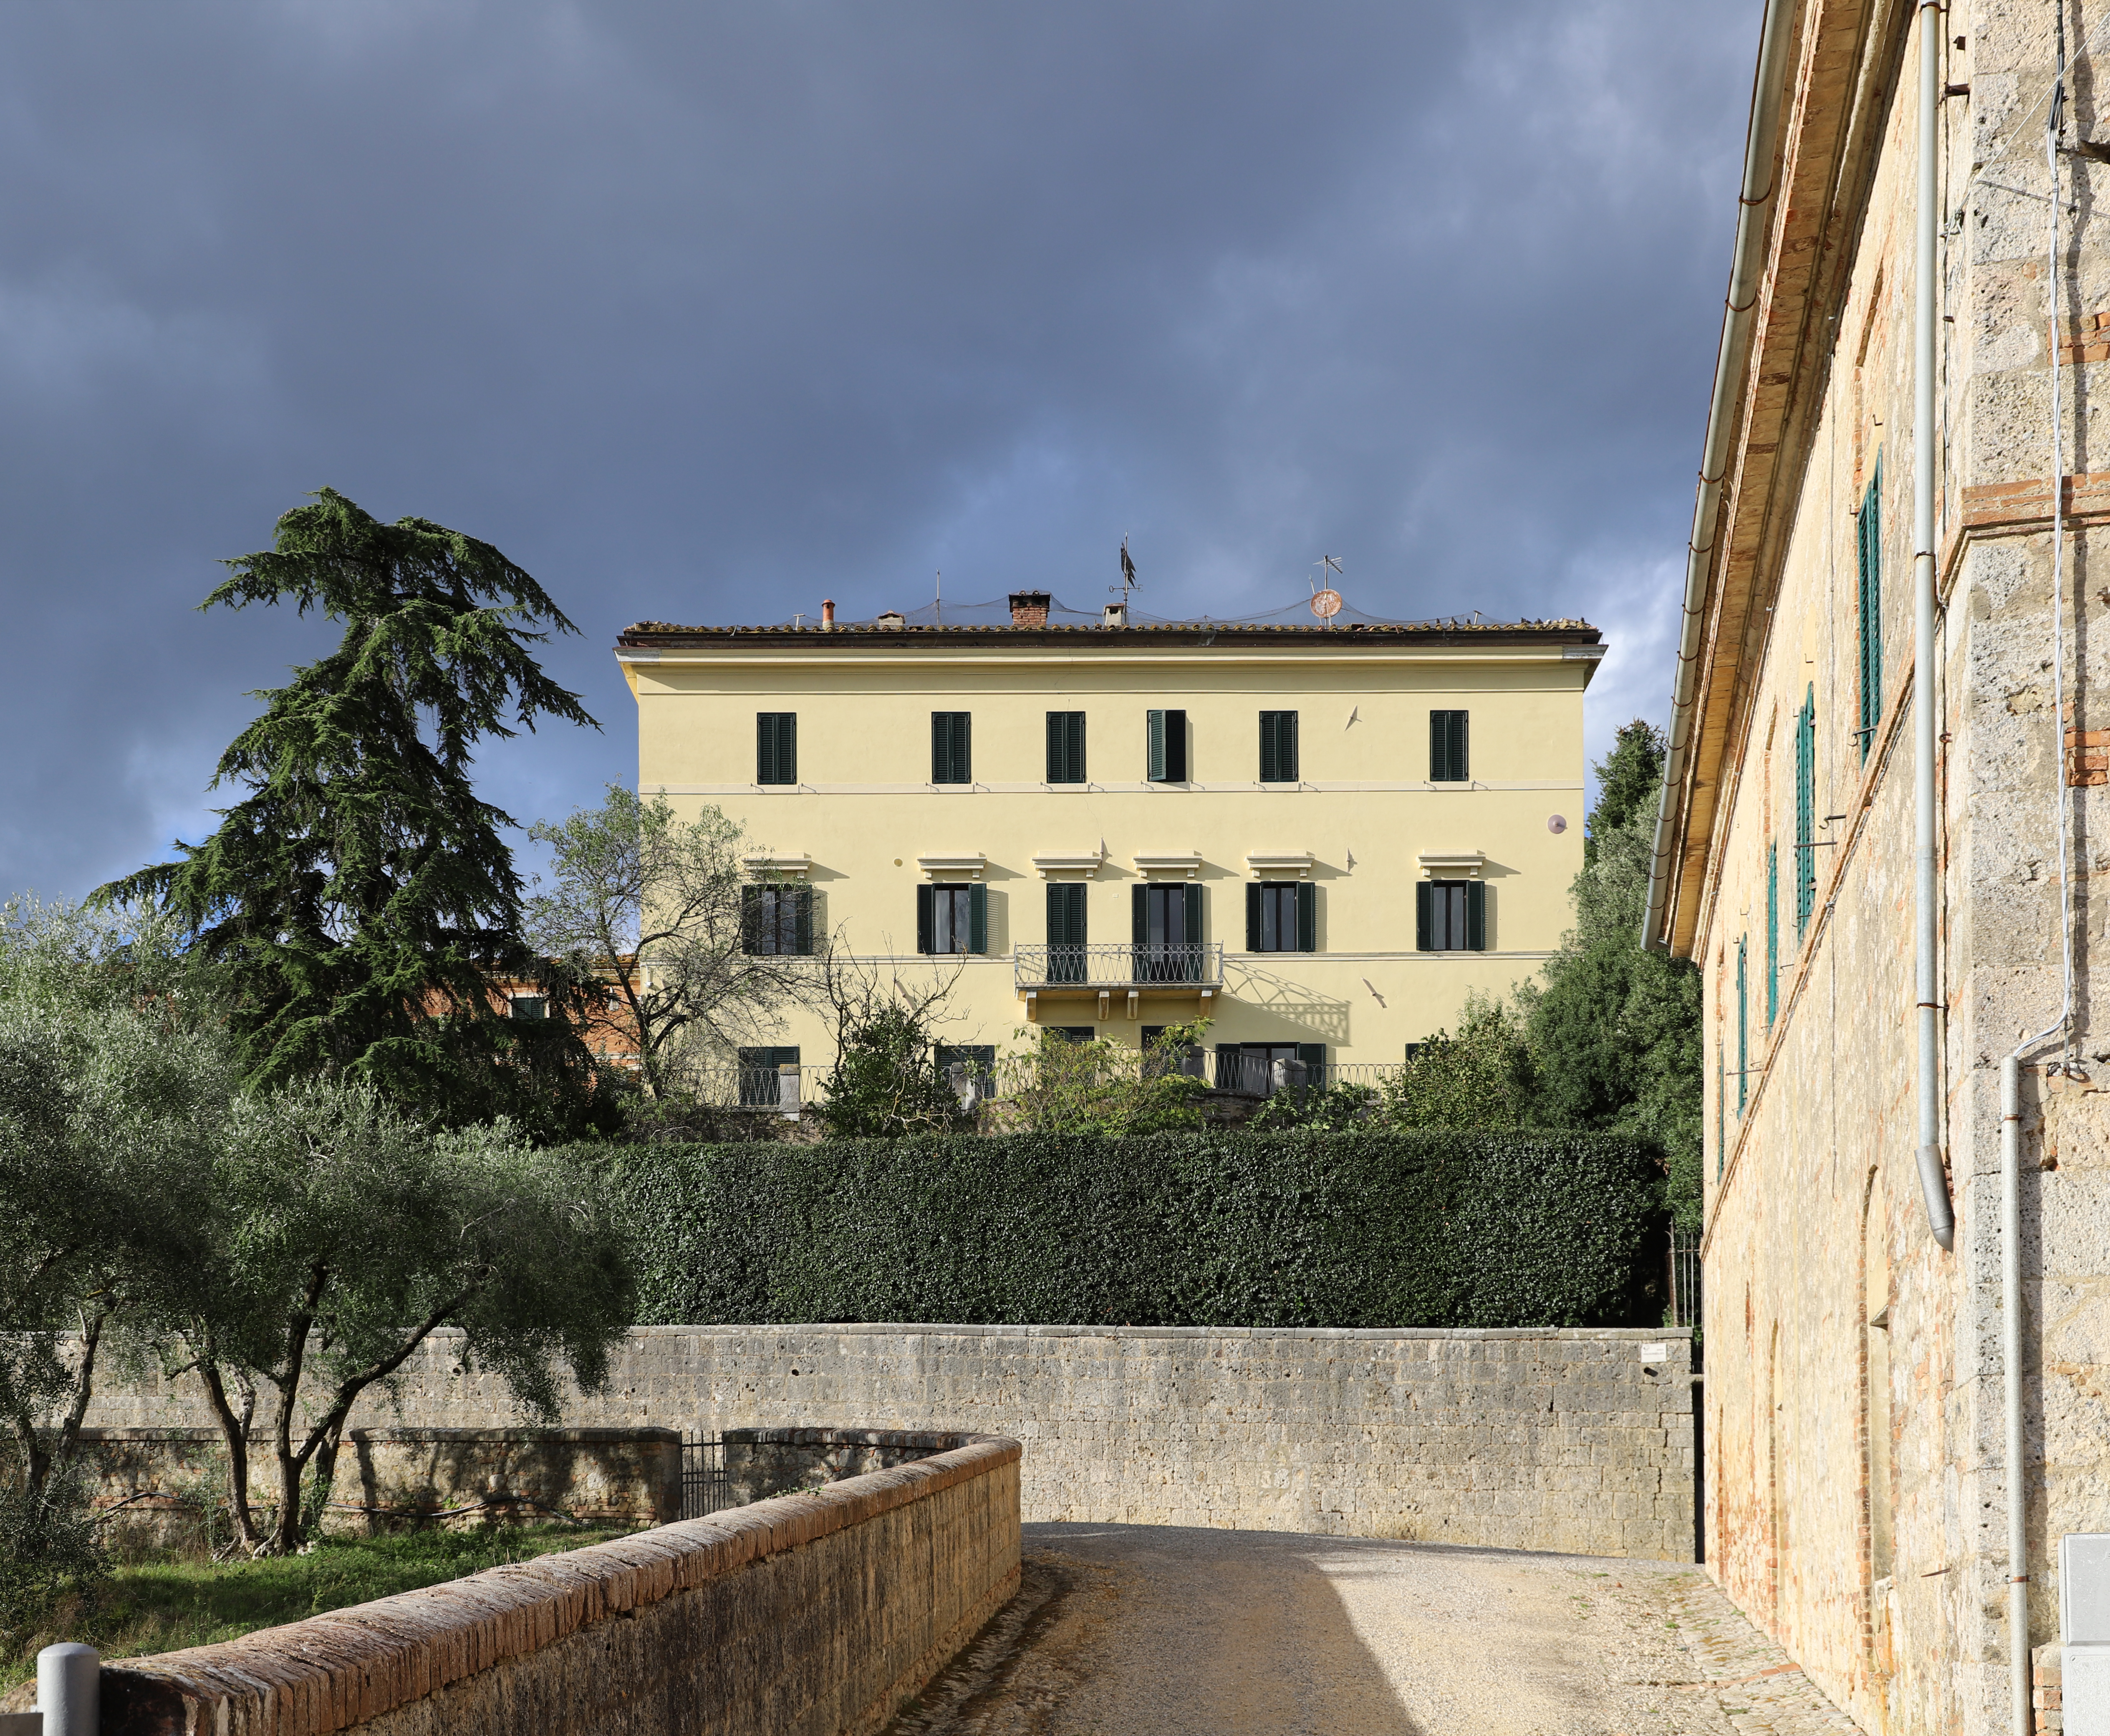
997,612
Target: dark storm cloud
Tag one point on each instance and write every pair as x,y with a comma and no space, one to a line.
705,313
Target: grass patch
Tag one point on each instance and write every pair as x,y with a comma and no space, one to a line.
167,1605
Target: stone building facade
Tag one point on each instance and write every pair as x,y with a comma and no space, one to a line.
1856,1464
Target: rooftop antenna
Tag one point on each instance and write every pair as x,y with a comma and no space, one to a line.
1326,604
938,597
1129,582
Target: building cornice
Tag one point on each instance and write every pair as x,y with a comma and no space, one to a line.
1847,54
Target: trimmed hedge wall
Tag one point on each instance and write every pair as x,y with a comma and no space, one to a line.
1424,1228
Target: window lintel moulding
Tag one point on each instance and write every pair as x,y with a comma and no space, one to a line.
1186,864
973,864
1279,865
1052,863
1469,862
796,865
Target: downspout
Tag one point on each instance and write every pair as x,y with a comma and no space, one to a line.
1927,984
1753,207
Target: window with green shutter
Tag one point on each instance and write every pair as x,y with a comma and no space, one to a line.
1282,916
1065,931
951,919
1450,916
1166,747
776,919
1165,929
761,1080
1449,761
1868,560
1743,1026
1805,812
1278,747
951,760
1065,747
777,747
1773,934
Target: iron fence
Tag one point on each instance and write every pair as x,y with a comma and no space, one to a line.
705,1487
1111,966
1684,1280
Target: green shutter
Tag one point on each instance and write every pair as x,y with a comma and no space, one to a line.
926,925
1154,752
1313,1055
1476,916
1252,916
1192,903
1448,761
751,919
777,747
1066,914
1743,1023
1138,908
1307,917
1869,562
951,760
978,917
1065,747
802,920
1278,747
1772,933
1805,812
1424,895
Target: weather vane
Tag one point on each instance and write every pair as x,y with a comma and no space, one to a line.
1129,582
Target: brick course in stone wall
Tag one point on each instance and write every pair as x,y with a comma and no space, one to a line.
1544,1438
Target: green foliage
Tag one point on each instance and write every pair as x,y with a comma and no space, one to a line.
1614,1029
115,1075
346,1233
886,1081
48,1549
630,883
1330,1108
1368,1228
1099,1087
167,1605
359,895
1481,1077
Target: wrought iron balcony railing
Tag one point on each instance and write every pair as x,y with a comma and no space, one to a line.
1199,963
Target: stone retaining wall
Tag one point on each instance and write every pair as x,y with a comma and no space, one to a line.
1577,1440
155,1481
819,1613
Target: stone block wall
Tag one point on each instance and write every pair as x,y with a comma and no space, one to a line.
811,1614
1531,1438
154,1482
762,1462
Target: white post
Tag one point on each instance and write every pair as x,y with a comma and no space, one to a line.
69,1690
787,1091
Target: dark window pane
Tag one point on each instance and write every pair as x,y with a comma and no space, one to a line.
529,1006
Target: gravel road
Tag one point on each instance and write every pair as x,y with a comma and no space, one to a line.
1120,1630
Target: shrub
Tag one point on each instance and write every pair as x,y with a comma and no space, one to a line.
48,1548
1427,1227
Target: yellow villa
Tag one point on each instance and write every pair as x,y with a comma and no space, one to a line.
1320,838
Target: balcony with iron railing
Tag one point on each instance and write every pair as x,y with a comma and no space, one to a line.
1179,967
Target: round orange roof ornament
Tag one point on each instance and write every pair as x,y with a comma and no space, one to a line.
1326,605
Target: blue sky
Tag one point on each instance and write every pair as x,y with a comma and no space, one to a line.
705,313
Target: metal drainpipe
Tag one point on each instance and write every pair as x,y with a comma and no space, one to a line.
1761,138
2022,1721
1927,985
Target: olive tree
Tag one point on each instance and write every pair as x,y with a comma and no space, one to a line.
346,1235
115,1075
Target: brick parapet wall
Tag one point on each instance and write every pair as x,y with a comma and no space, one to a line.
822,1612
1535,1439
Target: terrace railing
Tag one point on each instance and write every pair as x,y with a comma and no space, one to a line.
1113,965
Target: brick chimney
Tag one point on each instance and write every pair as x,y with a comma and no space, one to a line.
1029,608
827,614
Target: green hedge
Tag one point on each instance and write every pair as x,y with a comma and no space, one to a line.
1426,1228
